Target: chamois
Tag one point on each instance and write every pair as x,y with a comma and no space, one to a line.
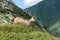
23,21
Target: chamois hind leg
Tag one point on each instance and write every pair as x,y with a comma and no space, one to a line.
30,27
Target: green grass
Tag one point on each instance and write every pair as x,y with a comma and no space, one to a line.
14,28
21,32
55,27
35,35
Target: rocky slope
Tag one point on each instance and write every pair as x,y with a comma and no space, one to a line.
6,15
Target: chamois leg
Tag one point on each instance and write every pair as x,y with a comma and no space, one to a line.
30,27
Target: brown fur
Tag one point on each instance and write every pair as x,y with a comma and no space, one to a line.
23,21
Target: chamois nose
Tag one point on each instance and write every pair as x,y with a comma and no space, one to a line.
35,18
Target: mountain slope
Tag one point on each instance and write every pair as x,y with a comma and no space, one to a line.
18,11
47,12
6,15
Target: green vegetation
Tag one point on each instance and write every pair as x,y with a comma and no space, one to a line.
21,32
14,28
2,10
19,28
25,36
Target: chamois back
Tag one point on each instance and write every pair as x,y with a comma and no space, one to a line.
23,21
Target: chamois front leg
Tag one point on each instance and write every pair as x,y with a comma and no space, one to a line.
29,26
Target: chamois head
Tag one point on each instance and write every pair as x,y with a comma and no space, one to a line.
33,19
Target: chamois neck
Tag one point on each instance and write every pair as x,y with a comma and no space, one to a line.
30,21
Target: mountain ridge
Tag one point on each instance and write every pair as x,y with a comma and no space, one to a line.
47,12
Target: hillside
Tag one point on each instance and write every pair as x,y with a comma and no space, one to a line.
19,31
19,12
47,13
6,15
